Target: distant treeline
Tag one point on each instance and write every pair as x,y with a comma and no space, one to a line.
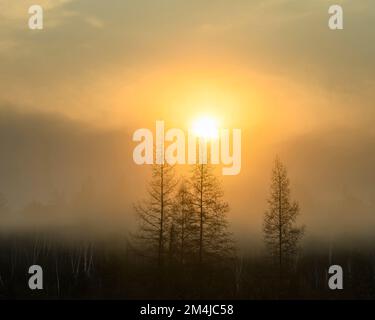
183,249
113,269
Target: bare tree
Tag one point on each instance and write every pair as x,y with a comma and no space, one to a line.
155,212
184,223
281,235
214,239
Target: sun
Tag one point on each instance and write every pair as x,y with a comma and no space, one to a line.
205,127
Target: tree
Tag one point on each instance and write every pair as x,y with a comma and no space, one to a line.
281,235
155,212
184,224
214,240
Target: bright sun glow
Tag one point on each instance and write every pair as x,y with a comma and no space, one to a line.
205,127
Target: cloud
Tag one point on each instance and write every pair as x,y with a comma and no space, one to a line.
15,11
98,50
94,22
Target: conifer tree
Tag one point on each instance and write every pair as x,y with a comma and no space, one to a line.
280,232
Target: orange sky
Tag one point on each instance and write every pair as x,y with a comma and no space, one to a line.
271,68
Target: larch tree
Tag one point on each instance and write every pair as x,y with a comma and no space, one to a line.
281,234
155,211
213,239
185,224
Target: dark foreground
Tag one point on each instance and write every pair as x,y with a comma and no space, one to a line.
114,270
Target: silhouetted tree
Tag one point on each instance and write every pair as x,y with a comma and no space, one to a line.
185,224
281,235
214,240
155,212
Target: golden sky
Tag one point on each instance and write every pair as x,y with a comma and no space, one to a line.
272,68
247,61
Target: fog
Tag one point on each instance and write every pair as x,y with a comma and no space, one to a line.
72,177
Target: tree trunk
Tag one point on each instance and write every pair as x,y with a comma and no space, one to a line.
201,218
160,251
